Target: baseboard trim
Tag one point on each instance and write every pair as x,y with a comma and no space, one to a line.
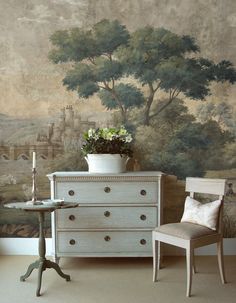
23,246
29,246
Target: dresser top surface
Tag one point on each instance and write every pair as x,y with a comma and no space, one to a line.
85,174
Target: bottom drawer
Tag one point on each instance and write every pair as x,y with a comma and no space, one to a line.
104,242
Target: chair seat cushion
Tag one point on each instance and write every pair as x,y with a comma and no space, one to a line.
185,230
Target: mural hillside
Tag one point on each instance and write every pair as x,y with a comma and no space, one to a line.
57,145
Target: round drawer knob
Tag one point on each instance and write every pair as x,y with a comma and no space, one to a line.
72,217
107,213
107,238
107,189
143,192
72,242
143,217
71,192
143,241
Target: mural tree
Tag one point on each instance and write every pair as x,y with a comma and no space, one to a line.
164,61
96,67
157,58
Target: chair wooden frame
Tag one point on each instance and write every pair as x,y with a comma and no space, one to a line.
194,185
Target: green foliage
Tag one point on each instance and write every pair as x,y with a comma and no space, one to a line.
109,35
185,75
204,111
76,44
148,47
222,112
224,71
229,156
174,116
72,45
179,145
87,89
129,96
180,164
107,70
188,137
218,139
80,74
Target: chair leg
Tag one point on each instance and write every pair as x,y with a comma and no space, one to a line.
194,264
154,254
189,262
221,260
159,255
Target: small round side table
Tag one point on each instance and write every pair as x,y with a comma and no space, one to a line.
42,263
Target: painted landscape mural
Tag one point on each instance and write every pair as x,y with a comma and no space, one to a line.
67,66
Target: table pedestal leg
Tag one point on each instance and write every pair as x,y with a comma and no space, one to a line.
42,263
50,264
31,267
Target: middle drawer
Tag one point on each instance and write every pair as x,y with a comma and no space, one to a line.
98,217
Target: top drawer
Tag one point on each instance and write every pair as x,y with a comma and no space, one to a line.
107,192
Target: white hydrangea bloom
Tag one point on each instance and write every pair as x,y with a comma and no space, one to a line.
91,132
128,138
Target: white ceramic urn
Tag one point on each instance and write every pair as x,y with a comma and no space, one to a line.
107,163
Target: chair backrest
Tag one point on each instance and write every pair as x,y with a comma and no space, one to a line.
208,186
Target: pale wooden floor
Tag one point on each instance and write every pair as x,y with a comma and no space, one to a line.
117,280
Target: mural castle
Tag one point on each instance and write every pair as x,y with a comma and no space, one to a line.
62,136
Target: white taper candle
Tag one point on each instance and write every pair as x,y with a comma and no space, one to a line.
34,159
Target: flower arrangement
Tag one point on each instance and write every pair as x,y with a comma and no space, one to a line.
107,141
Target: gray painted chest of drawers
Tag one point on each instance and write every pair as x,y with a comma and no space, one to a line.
115,216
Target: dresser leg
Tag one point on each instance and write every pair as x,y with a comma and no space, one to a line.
56,259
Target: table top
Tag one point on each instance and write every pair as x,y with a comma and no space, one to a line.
40,207
86,174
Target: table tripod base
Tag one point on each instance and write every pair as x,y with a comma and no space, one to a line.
41,265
